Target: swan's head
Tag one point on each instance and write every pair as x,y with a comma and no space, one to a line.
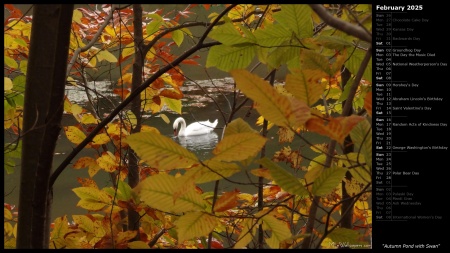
176,124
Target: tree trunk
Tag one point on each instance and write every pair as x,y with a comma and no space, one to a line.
133,169
43,108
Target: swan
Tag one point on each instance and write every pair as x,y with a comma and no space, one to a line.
196,128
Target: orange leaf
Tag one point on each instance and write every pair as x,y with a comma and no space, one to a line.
171,94
368,103
87,182
121,92
190,62
83,162
227,201
335,128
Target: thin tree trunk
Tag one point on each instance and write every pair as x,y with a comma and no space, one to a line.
133,169
43,108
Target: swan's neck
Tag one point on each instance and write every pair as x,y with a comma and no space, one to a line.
183,128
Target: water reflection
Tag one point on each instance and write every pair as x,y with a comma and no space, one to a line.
202,145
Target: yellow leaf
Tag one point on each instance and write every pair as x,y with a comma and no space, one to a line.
260,122
262,172
100,139
213,170
279,229
165,118
194,224
88,119
160,151
305,85
8,84
145,128
108,162
84,162
130,119
85,223
74,135
105,55
246,235
138,245
238,126
91,198
285,135
76,109
67,105
275,107
157,191
238,147
77,15
60,229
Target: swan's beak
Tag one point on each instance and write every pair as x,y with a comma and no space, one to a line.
175,132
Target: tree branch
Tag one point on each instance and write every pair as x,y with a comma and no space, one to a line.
349,28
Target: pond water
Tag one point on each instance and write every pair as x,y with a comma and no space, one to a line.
196,107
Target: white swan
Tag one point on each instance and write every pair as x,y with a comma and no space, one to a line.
196,128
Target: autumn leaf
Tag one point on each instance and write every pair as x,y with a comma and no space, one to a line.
368,103
195,224
305,85
108,161
160,151
279,229
328,180
92,199
157,191
275,107
284,179
227,201
100,139
238,146
74,135
335,128
238,126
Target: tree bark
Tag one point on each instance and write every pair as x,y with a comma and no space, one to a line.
43,108
133,161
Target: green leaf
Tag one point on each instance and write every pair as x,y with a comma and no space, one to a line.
313,60
333,42
158,191
296,17
154,26
284,179
215,170
160,151
283,55
173,104
228,35
238,126
355,61
124,190
195,224
279,229
19,83
304,84
272,36
178,37
361,136
227,58
328,180
10,62
238,147
273,106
